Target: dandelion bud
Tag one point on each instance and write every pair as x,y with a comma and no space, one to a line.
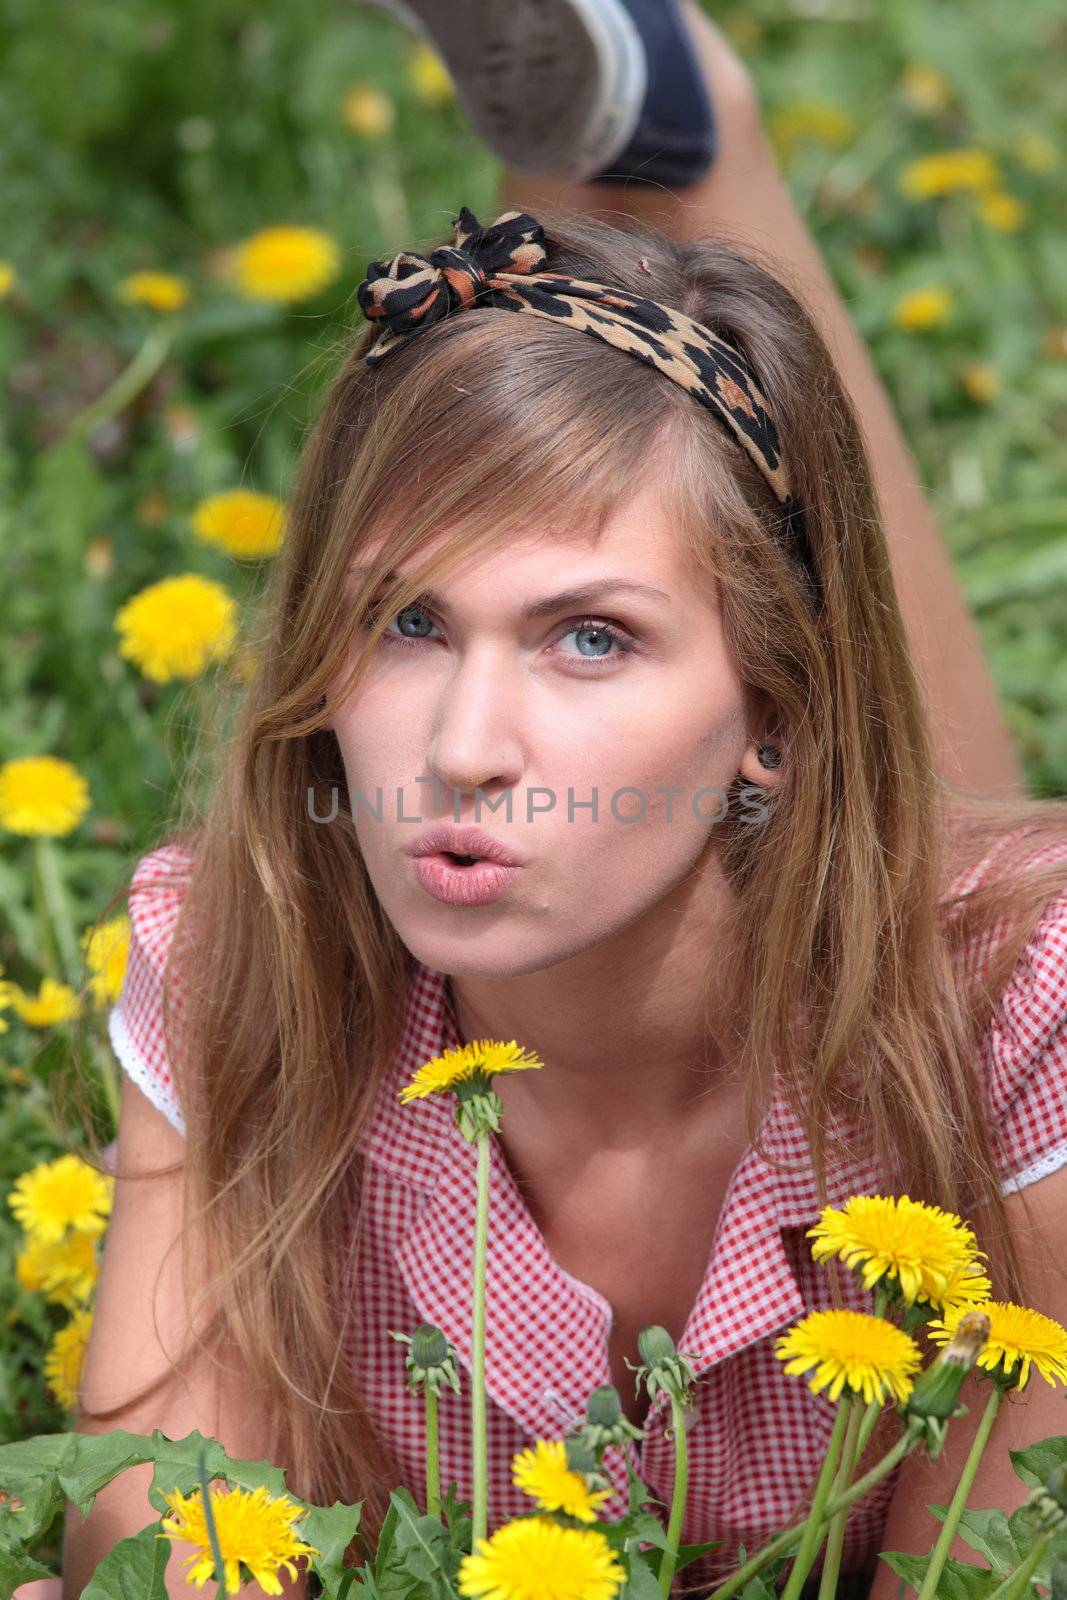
937,1388
654,1345
429,1347
580,1456
603,1406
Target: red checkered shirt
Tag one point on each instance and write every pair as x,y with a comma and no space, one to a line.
757,1436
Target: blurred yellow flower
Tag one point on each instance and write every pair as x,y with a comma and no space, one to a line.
543,1474
368,111
64,1271
285,263
66,1357
54,1002
107,948
254,1529
981,382
924,87
1001,211
948,172
923,308
1037,153
429,77
15,1074
241,521
41,795
99,558
815,120
177,627
7,278
65,1193
160,291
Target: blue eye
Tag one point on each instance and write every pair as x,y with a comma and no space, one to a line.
608,635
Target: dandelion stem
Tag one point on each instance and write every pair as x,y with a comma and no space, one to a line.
870,1417
479,1439
835,1539
130,381
681,1488
1017,1584
57,906
212,1531
782,1542
959,1499
433,1469
811,1538
108,1082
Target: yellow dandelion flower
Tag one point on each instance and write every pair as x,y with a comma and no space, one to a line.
368,111
177,627
966,1287
535,1559
981,382
7,278
64,1271
255,1531
66,1356
41,795
429,77
1000,211
243,522
923,308
66,1193
1037,153
814,120
160,291
949,172
872,1356
924,87
1018,1340
543,1473
54,1002
479,1058
107,949
917,1245
15,1074
285,263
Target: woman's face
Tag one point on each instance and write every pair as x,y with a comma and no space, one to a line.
631,690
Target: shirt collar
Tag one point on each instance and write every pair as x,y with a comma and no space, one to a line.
749,1290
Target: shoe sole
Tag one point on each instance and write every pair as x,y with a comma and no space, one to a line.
552,86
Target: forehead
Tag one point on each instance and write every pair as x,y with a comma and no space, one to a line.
636,542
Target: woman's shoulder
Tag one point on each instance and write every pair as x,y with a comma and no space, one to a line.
157,891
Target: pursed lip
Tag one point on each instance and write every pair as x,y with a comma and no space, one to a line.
462,841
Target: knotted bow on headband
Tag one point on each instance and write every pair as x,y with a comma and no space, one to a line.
499,266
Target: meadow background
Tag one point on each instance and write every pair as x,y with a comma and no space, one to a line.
165,350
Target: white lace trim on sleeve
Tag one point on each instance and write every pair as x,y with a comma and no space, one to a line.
141,1073
1050,1162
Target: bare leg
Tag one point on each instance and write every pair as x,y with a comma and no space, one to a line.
745,198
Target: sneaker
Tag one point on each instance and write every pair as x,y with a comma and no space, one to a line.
589,90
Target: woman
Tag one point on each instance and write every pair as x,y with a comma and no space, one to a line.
768,954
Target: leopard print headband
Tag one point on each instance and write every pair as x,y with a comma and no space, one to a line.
499,266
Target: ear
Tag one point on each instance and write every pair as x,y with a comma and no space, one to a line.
768,736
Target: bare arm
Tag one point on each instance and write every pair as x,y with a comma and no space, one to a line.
745,197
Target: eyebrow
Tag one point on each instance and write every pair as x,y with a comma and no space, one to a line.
582,595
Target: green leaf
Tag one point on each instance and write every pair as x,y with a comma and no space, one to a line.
17,1567
134,1569
331,1529
990,1534
1034,1464
757,1589
641,1582
958,1581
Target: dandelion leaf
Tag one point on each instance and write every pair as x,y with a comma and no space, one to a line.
1034,1464
135,1569
16,1568
331,1530
958,1581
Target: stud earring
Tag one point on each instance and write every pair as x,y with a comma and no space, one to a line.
769,755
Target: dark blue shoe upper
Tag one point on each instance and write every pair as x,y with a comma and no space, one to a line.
676,137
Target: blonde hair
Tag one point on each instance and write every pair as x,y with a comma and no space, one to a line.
851,968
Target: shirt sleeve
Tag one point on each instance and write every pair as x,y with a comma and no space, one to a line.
1025,1057
135,1022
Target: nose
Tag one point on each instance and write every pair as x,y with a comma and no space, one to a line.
476,742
